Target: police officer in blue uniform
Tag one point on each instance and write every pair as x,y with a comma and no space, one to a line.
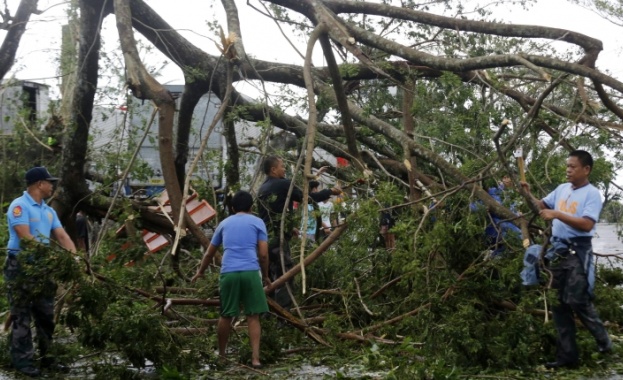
31,219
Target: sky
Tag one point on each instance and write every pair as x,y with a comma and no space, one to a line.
40,46
562,14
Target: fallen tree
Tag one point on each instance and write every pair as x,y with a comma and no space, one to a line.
415,101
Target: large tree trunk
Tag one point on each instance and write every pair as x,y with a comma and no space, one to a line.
190,98
16,27
74,188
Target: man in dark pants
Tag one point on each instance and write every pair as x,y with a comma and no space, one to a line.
272,197
574,209
82,227
30,218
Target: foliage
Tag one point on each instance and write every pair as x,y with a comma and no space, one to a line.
612,212
611,10
137,332
24,148
458,311
40,268
275,336
463,301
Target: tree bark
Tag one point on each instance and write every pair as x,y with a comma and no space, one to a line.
144,86
16,29
82,97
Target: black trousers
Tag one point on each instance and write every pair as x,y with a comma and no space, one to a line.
275,270
26,306
574,299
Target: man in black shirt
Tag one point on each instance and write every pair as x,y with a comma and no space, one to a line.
272,197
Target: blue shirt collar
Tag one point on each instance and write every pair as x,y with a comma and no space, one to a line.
32,201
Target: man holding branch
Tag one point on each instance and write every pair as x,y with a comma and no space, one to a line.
574,209
272,197
32,221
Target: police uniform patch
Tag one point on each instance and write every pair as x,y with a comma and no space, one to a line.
17,211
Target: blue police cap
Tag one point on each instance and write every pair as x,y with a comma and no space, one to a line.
38,173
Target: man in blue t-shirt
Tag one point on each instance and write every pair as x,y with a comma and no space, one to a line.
245,252
574,209
30,218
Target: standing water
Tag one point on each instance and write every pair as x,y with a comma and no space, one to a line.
606,240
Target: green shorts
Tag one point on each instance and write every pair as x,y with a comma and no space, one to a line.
242,288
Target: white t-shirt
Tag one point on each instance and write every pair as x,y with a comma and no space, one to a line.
326,208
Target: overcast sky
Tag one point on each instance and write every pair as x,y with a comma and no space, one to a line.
41,43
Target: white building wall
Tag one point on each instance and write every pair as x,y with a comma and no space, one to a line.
12,95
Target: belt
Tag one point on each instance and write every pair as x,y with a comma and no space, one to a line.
574,240
562,255
569,244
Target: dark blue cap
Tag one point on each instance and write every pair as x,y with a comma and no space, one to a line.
38,173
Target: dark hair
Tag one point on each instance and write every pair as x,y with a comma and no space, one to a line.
511,172
242,201
584,157
313,184
270,162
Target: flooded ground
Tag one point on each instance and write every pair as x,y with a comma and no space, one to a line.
606,240
303,372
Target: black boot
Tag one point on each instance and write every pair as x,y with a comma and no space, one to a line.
29,371
560,364
51,364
